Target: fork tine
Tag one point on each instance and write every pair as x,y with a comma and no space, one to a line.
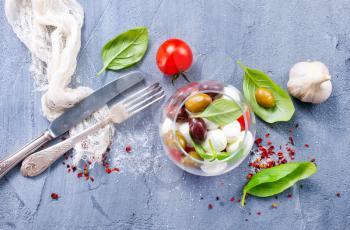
156,97
146,94
143,101
135,95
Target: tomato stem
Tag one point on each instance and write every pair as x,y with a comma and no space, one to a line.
176,76
185,76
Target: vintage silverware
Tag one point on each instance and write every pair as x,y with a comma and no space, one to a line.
38,162
73,116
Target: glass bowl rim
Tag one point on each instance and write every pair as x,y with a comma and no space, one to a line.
245,103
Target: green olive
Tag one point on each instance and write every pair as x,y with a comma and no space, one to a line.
264,97
170,141
181,139
189,162
197,103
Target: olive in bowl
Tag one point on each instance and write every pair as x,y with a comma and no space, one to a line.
212,128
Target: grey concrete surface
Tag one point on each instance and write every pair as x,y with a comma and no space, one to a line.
151,193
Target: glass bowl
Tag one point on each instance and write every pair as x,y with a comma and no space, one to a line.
197,143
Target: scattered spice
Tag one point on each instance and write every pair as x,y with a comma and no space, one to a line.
54,196
307,145
274,205
80,174
267,156
110,170
86,172
210,206
246,219
249,176
128,148
338,194
289,196
291,140
232,199
258,213
217,198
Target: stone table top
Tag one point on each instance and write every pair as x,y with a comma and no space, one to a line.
150,192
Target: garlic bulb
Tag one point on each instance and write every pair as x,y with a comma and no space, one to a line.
310,81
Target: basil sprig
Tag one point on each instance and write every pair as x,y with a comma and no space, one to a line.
275,180
201,152
125,49
210,157
221,111
253,79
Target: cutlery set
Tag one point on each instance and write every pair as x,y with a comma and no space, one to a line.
35,164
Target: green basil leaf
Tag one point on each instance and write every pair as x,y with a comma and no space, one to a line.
221,112
253,79
200,150
212,148
223,155
125,49
275,180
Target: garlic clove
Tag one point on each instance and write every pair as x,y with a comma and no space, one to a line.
310,82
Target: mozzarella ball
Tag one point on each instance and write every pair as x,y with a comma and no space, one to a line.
184,129
248,141
232,93
232,131
210,125
233,147
214,167
218,140
166,126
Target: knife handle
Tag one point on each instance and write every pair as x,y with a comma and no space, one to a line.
12,160
38,162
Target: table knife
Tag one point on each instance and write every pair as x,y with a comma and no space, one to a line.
73,116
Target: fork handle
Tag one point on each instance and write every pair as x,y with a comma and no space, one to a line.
12,160
38,162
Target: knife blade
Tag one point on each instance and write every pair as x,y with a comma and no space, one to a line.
72,117
93,102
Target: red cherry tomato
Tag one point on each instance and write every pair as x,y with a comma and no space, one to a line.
241,120
174,57
175,154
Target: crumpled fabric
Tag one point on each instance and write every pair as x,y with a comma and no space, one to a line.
51,30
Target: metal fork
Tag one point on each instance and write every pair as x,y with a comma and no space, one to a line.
38,162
